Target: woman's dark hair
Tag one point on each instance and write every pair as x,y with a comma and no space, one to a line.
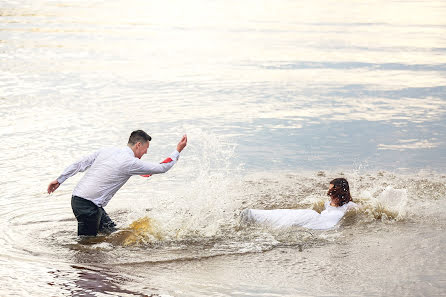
340,190
139,136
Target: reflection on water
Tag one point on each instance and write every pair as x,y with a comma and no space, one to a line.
277,98
86,281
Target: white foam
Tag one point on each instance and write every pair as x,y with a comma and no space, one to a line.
389,200
394,200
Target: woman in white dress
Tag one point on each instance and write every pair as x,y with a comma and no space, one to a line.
340,202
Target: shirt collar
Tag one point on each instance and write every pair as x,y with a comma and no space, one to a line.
129,151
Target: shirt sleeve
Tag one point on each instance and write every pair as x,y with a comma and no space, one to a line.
139,167
326,204
79,166
352,205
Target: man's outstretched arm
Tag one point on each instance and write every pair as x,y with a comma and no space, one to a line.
146,168
79,166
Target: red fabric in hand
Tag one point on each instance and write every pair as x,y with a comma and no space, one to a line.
168,160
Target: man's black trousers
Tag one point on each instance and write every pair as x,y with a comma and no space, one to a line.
91,218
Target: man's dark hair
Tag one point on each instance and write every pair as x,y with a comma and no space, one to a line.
139,136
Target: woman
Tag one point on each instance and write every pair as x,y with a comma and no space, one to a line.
340,202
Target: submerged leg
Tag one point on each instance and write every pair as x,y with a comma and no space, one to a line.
280,217
106,224
245,216
87,214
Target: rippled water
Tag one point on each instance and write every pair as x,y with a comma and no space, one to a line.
277,98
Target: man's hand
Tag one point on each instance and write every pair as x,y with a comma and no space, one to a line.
53,186
182,144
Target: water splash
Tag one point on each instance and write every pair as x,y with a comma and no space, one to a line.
389,205
141,231
207,199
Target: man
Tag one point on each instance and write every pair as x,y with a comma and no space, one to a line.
108,170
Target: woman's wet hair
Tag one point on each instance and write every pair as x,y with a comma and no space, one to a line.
340,190
139,136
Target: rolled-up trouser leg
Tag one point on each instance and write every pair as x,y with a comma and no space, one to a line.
88,216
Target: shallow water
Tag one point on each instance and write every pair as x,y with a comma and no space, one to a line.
277,98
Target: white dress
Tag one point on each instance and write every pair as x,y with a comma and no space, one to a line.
307,218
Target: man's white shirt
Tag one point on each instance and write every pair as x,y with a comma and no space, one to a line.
108,170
